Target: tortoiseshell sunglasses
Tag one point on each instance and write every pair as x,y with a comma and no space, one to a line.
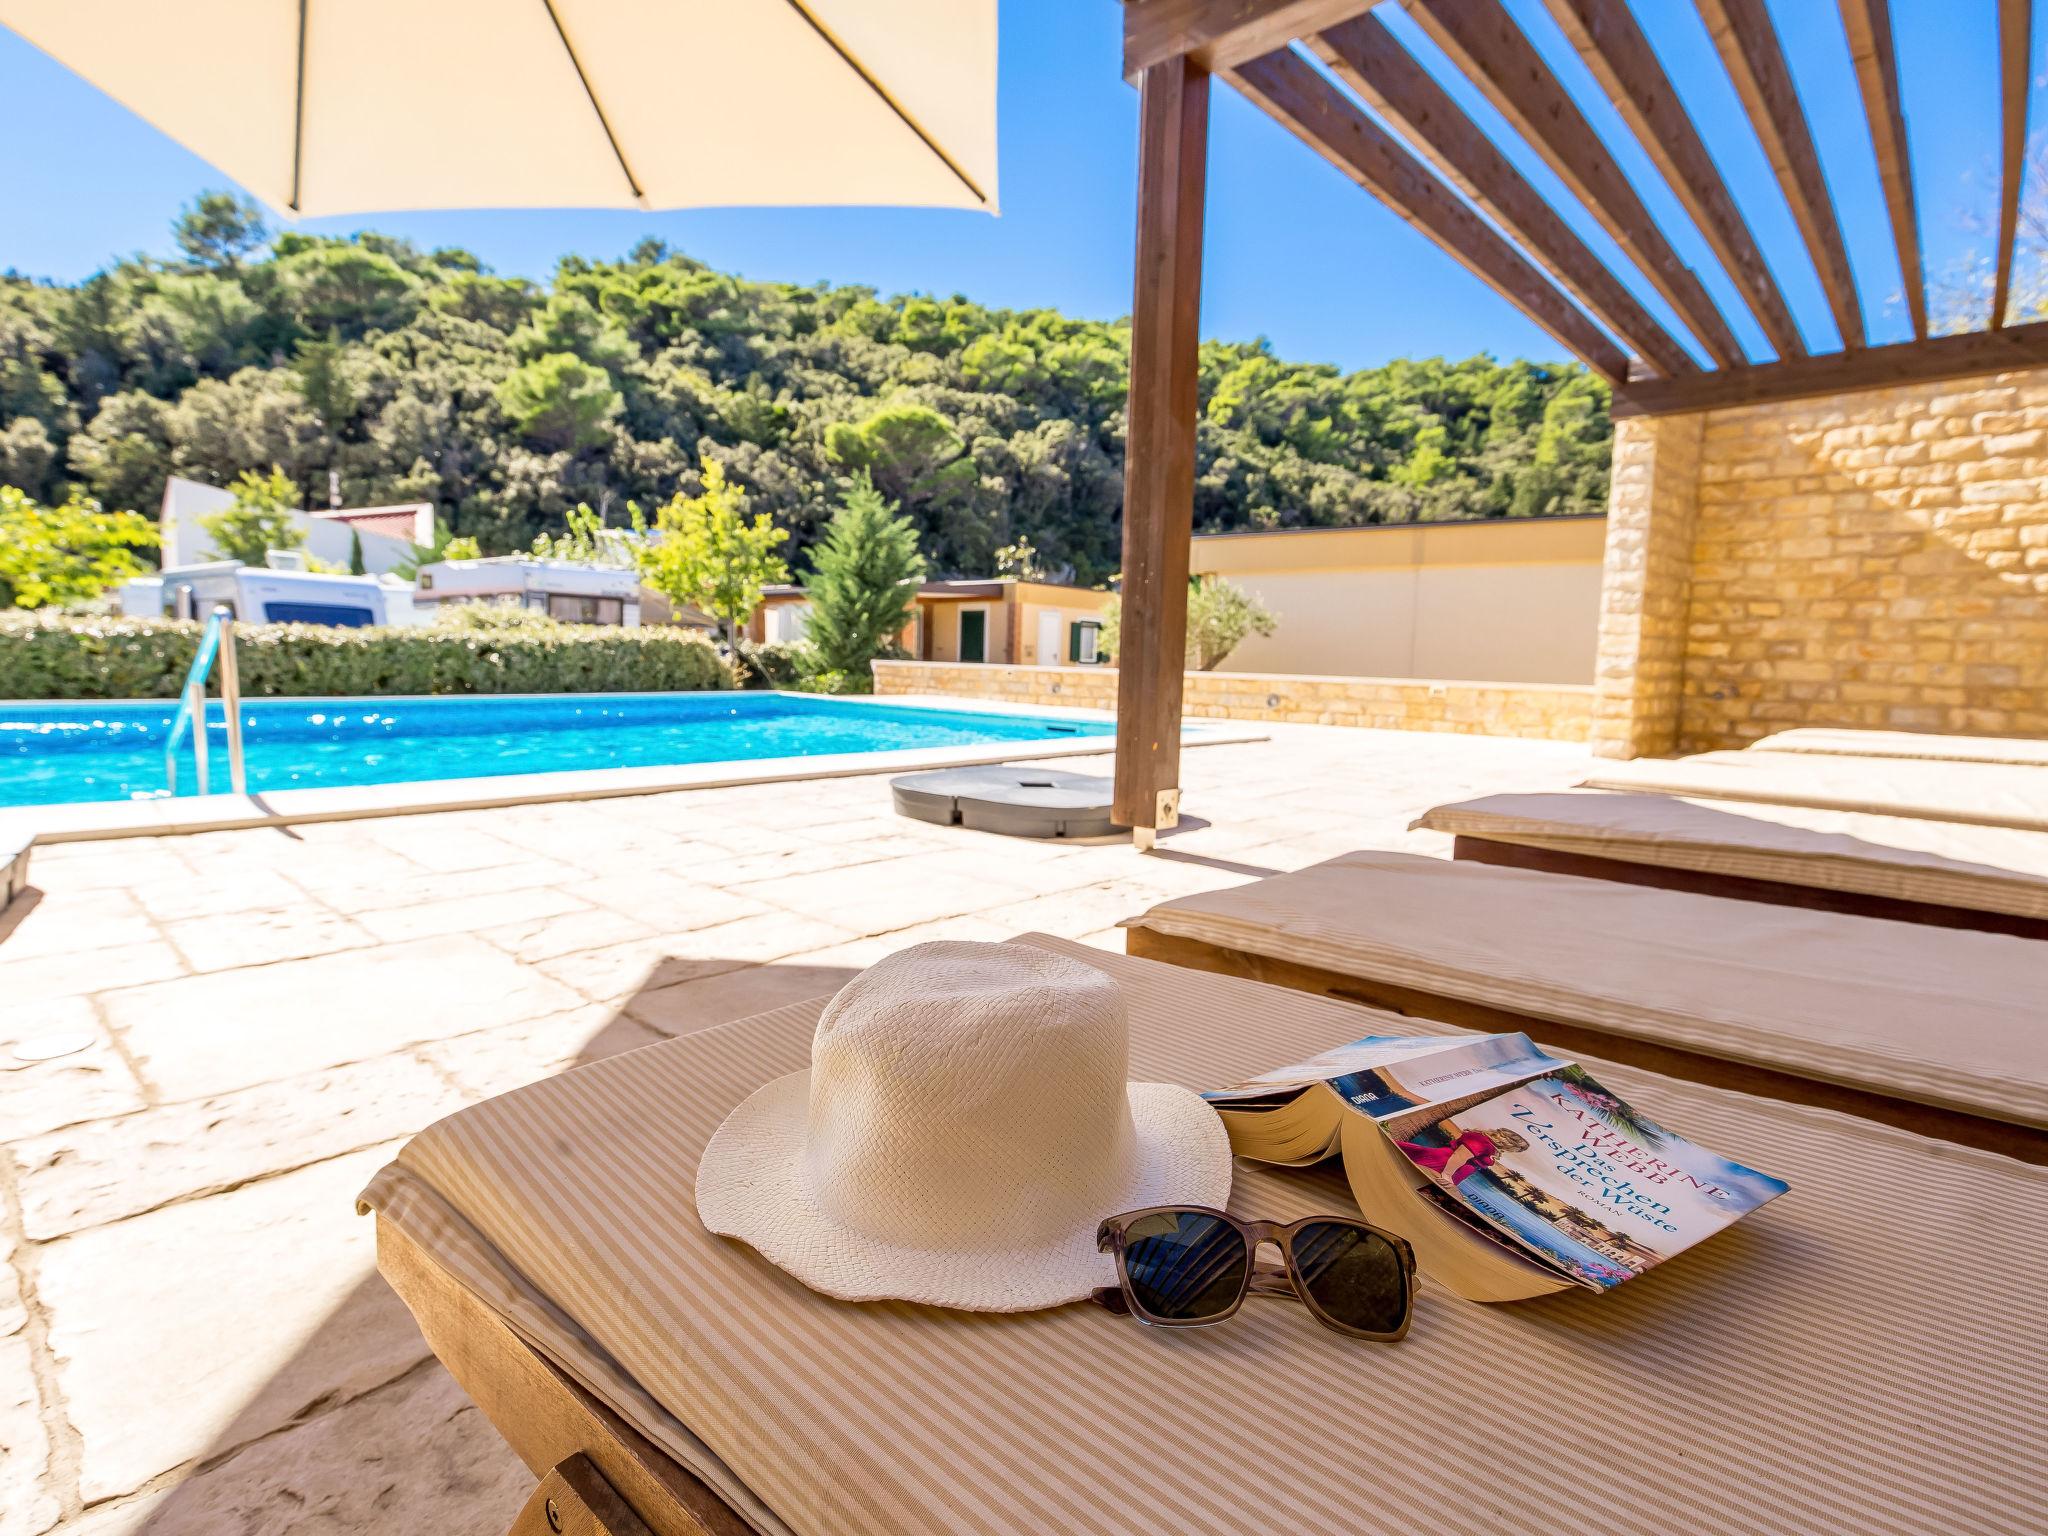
1186,1266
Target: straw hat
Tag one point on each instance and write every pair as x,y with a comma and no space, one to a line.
963,1128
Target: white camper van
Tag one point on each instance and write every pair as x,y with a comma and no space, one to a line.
283,592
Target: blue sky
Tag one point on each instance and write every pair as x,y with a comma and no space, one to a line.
1295,252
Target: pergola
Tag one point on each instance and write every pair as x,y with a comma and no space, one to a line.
1440,172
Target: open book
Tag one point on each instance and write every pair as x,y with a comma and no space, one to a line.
1512,1173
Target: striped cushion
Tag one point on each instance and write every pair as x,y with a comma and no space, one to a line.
1982,869
2018,750
1830,1363
1942,1016
1988,794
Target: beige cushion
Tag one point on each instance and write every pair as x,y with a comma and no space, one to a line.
1983,869
1938,1015
1990,794
1825,1364
2018,750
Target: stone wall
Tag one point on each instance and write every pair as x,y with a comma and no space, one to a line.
1548,711
1873,560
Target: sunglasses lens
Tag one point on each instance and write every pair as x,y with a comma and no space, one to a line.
1357,1277
1185,1265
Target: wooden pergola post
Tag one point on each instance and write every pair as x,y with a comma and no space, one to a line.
1159,444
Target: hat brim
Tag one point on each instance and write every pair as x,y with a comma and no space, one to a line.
749,1186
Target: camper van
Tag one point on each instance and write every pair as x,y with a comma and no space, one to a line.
281,592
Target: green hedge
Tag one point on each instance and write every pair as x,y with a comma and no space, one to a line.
53,656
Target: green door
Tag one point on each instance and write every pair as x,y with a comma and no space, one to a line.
974,635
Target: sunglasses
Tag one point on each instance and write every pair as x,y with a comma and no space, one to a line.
1185,1266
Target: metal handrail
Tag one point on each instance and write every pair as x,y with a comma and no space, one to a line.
216,643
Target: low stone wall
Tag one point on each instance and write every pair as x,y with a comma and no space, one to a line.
1545,711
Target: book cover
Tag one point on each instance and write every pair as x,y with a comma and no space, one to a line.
1385,1075
1580,1179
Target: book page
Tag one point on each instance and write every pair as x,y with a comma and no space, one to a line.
1575,1175
1384,1075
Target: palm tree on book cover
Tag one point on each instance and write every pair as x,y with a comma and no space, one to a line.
1615,1112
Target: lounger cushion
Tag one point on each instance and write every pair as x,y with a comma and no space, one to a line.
1982,869
2018,750
1938,1015
1822,1365
1989,794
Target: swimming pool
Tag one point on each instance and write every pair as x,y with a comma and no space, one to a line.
64,754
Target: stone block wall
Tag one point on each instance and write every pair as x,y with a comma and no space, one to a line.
1875,560
1546,711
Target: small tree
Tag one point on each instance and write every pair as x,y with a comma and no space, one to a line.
217,229
863,583
260,519
708,554
65,554
586,541
1219,618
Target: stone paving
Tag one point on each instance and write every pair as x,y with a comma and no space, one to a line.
192,1335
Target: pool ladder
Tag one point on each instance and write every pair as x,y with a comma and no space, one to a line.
216,644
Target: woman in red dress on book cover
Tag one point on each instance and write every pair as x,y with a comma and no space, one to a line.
1472,1152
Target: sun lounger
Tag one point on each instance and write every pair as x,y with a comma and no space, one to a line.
1838,1361
2020,751
1943,873
1931,1028
1987,794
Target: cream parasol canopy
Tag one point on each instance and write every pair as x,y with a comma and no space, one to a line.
354,106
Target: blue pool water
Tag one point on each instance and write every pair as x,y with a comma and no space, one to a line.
54,754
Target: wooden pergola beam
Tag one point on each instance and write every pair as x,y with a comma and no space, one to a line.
1485,42
1290,91
1613,48
1219,33
1868,24
2015,47
1967,355
1159,453
1750,51
1369,59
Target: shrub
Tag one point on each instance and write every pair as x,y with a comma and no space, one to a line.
496,619
50,656
773,666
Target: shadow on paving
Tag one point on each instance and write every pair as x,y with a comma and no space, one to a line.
410,1454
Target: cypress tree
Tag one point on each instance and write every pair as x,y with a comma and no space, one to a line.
863,582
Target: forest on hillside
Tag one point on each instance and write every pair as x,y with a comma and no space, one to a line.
422,376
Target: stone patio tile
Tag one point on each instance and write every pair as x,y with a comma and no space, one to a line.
1069,914
545,938
494,1061
44,925
862,953
467,914
27,1507
250,888
39,1096
669,900
197,1328
896,893
617,971
296,932
13,1310
693,1005
417,888
806,859
414,1458
116,865
106,1170
215,1033
50,978
431,844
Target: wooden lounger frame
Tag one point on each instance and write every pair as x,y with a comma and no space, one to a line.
1486,850
599,1475
2019,1141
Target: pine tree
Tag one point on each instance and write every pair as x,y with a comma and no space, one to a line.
863,582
